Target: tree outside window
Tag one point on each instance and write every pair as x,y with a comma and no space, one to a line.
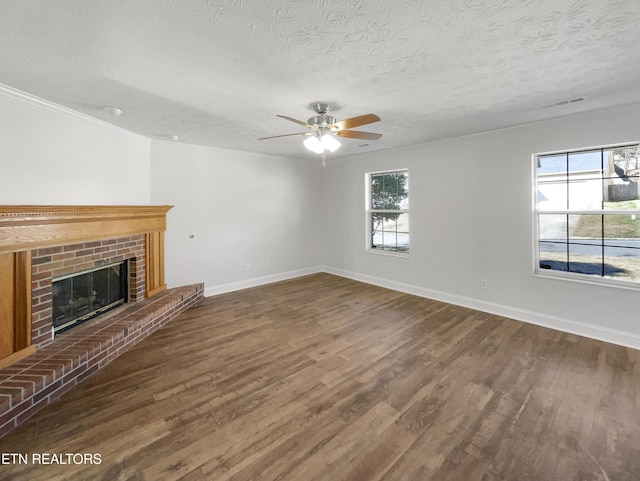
388,215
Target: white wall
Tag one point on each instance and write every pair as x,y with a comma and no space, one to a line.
241,208
471,219
471,209
51,155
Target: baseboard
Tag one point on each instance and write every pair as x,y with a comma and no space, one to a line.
599,333
259,281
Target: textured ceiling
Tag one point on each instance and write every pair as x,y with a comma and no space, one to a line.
216,72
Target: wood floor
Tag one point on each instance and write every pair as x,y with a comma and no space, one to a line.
324,378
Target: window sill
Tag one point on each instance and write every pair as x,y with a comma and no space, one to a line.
586,279
402,255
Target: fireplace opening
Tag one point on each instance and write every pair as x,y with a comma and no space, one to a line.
83,295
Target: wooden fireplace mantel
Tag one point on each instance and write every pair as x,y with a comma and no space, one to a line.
34,226
27,227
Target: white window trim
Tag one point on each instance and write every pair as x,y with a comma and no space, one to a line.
368,211
562,275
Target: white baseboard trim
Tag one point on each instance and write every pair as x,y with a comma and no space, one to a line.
599,333
259,281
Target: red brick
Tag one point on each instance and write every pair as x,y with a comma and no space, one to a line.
36,381
13,393
85,374
34,408
5,403
35,261
45,393
5,428
72,247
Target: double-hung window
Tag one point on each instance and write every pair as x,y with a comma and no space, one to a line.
388,211
587,214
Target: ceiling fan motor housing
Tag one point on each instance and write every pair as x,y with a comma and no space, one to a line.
321,121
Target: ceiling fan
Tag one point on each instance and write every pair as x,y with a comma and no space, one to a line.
324,128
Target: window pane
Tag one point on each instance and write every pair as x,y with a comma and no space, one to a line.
622,246
585,193
403,193
552,235
390,191
585,258
585,244
552,227
390,183
621,172
552,182
622,263
390,232
585,180
623,227
552,164
585,228
584,162
377,191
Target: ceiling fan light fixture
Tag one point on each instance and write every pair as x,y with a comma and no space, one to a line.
329,142
324,129
313,144
319,144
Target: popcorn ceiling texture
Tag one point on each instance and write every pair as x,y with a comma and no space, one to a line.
216,72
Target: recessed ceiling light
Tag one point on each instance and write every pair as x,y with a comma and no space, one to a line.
115,111
173,138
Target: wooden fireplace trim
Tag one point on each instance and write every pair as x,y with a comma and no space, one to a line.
27,227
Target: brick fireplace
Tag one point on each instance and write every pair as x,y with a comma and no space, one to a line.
51,262
41,243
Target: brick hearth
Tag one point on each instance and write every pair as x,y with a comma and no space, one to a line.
34,382
40,243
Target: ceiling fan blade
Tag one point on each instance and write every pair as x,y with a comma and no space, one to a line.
300,122
355,121
285,135
354,134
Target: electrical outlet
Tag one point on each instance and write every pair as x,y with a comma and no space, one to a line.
483,283
247,267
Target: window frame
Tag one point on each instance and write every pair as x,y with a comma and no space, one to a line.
369,211
600,280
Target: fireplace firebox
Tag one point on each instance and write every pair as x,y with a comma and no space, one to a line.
83,295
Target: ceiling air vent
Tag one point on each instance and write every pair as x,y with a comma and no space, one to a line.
563,102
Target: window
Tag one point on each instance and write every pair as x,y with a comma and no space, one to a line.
388,211
587,214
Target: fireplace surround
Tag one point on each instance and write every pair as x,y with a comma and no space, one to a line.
58,262
39,244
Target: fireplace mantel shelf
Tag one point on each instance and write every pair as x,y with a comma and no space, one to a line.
25,228
33,226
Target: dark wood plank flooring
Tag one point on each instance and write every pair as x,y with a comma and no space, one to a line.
324,378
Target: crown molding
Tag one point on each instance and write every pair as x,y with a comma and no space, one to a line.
39,102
